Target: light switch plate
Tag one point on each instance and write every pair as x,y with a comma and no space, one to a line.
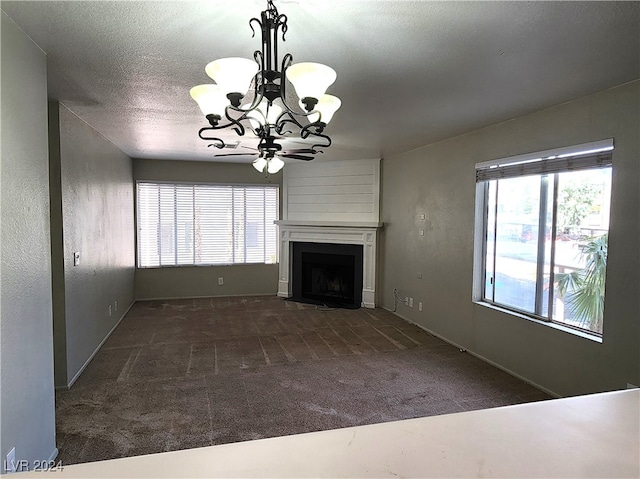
76,258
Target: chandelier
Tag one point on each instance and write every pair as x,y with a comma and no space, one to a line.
252,94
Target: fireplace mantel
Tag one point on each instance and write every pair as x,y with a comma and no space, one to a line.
364,233
330,224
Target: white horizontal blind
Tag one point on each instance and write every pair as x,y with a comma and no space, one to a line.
200,224
593,155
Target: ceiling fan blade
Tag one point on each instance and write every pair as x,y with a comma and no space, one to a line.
298,157
300,150
236,154
299,141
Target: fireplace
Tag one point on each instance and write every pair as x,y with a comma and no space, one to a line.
326,273
363,236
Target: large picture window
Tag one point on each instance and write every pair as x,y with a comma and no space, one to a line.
543,227
203,224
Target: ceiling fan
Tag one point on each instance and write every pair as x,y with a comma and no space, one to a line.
268,148
269,153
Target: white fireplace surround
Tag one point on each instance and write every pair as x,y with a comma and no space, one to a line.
364,234
331,202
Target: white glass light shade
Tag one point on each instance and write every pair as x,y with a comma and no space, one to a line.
259,164
232,75
210,99
257,116
327,106
275,165
310,80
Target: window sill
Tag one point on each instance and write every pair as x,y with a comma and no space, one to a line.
556,326
169,266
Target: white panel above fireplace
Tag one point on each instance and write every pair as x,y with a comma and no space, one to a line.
345,192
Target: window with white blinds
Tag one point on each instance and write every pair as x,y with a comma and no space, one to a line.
203,224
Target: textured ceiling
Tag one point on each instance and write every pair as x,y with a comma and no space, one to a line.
409,72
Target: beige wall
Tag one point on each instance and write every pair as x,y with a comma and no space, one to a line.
27,421
202,281
439,181
91,184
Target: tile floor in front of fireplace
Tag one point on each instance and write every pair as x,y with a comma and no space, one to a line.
191,373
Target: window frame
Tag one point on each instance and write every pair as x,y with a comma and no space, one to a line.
527,165
212,184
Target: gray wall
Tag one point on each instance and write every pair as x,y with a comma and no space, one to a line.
202,281
95,196
57,248
438,180
26,385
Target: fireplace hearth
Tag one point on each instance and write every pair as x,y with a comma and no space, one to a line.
326,273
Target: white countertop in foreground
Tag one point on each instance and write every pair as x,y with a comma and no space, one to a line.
587,436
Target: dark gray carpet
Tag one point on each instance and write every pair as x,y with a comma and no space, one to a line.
192,373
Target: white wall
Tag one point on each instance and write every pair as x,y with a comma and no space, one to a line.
332,191
439,181
26,347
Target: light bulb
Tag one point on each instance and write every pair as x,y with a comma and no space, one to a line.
210,98
232,75
257,116
310,80
275,165
259,164
327,106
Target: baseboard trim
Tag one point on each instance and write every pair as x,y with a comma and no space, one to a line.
86,363
53,455
479,356
514,374
170,298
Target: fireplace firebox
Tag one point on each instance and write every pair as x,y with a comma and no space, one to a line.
327,273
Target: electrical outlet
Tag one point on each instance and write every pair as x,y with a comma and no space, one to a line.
421,232
411,302
115,305
220,281
10,465
109,310
422,216
419,305
419,275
